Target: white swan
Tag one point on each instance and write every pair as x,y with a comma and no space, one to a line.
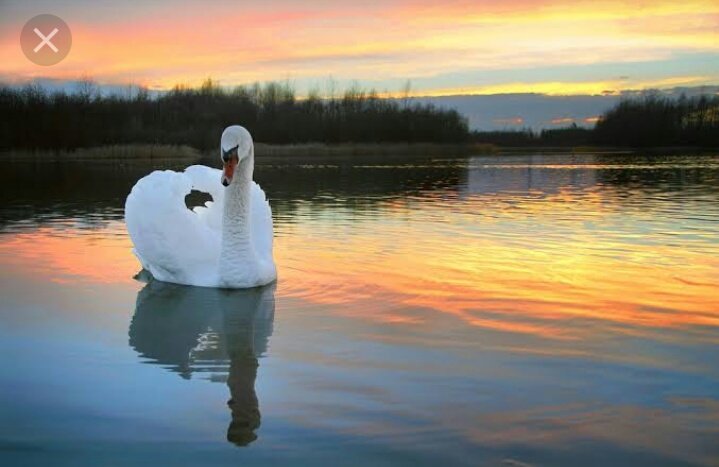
227,243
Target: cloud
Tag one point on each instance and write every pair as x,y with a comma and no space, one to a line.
377,43
569,88
513,121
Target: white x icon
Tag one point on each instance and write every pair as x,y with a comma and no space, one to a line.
45,40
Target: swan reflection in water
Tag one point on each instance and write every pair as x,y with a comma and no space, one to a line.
218,333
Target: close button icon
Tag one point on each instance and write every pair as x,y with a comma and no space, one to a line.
45,40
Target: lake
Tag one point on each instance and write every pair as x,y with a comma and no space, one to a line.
503,310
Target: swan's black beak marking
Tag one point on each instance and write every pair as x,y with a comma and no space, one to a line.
227,155
229,162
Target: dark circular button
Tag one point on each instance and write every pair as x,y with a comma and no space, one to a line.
45,40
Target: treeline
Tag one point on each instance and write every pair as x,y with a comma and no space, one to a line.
654,120
35,119
651,120
559,137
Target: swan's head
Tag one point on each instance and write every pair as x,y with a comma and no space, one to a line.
235,145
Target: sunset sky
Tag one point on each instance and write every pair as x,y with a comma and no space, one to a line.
444,48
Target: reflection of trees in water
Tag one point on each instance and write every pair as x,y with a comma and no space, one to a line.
96,192
44,190
668,173
538,174
91,194
355,184
213,332
550,174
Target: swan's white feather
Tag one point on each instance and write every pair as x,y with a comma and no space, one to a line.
182,246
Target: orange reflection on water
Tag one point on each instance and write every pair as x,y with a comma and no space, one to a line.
532,270
71,255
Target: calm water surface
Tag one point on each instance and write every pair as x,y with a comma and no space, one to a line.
515,310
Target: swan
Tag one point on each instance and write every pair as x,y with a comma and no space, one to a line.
227,243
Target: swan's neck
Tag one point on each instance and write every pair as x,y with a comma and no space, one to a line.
236,253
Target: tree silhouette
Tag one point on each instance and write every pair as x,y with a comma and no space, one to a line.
36,119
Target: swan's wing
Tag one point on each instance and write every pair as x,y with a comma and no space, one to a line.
172,242
208,179
261,215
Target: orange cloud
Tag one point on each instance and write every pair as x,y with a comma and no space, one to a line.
410,39
509,121
568,88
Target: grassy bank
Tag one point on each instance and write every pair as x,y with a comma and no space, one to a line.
373,149
159,154
113,153
147,152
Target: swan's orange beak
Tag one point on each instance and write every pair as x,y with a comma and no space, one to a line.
228,170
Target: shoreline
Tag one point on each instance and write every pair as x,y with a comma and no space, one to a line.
161,152
108,153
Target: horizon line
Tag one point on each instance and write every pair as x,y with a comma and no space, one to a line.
512,89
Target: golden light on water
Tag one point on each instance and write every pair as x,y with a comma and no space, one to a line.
495,284
69,255
539,301
532,267
530,281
